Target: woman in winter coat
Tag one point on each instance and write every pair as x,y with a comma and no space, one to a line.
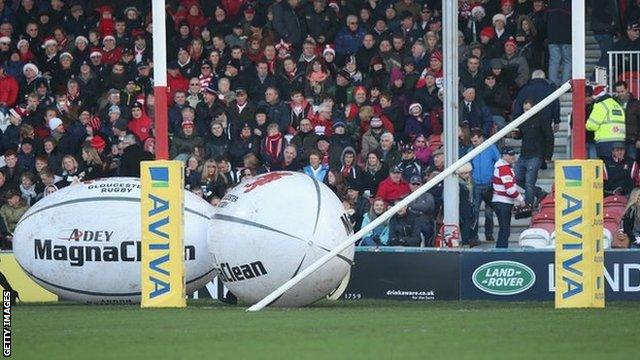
379,235
93,165
214,183
71,172
373,174
417,123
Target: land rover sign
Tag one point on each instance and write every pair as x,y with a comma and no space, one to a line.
503,277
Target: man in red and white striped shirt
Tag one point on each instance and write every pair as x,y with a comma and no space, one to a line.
506,194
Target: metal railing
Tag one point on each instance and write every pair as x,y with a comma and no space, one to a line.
625,66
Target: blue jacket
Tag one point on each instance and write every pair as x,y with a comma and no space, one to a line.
324,170
381,230
536,90
483,165
348,42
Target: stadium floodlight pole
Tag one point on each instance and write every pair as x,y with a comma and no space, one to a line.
578,141
451,191
160,79
410,198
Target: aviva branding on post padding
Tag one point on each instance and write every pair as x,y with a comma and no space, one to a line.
504,277
162,206
579,255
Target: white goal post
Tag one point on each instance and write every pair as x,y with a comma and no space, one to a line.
411,197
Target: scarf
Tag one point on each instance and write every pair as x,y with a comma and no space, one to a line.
346,170
28,193
274,145
318,76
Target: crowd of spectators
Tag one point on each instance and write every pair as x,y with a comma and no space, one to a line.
348,92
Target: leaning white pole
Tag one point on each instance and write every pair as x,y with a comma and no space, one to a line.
411,197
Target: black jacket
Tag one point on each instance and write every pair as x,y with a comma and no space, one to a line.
288,24
132,155
537,139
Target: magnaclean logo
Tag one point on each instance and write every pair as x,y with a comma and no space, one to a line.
503,278
230,273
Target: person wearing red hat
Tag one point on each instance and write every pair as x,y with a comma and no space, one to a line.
512,60
185,141
107,24
111,54
508,9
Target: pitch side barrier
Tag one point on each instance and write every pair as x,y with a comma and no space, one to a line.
411,197
424,274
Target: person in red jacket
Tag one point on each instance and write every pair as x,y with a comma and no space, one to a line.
506,193
175,81
140,124
9,90
394,187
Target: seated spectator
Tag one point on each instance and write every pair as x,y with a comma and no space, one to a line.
289,160
393,187
417,122
336,183
407,229
515,64
629,234
192,173
618,172
11,170
93,165
474,113
10,214
389,153
28,188
316,169
380,234
371,139
214,184
132,155
185,141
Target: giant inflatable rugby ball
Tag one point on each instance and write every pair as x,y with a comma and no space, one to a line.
83,242
269,228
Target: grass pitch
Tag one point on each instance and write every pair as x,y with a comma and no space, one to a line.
342,330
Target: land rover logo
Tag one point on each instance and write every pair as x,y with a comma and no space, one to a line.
503,278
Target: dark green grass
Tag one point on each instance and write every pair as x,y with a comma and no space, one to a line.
343,330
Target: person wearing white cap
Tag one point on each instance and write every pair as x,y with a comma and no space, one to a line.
111,54
55,124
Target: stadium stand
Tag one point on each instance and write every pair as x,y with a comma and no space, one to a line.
260,85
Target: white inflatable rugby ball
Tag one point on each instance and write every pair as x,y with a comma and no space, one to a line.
83,241
272,226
